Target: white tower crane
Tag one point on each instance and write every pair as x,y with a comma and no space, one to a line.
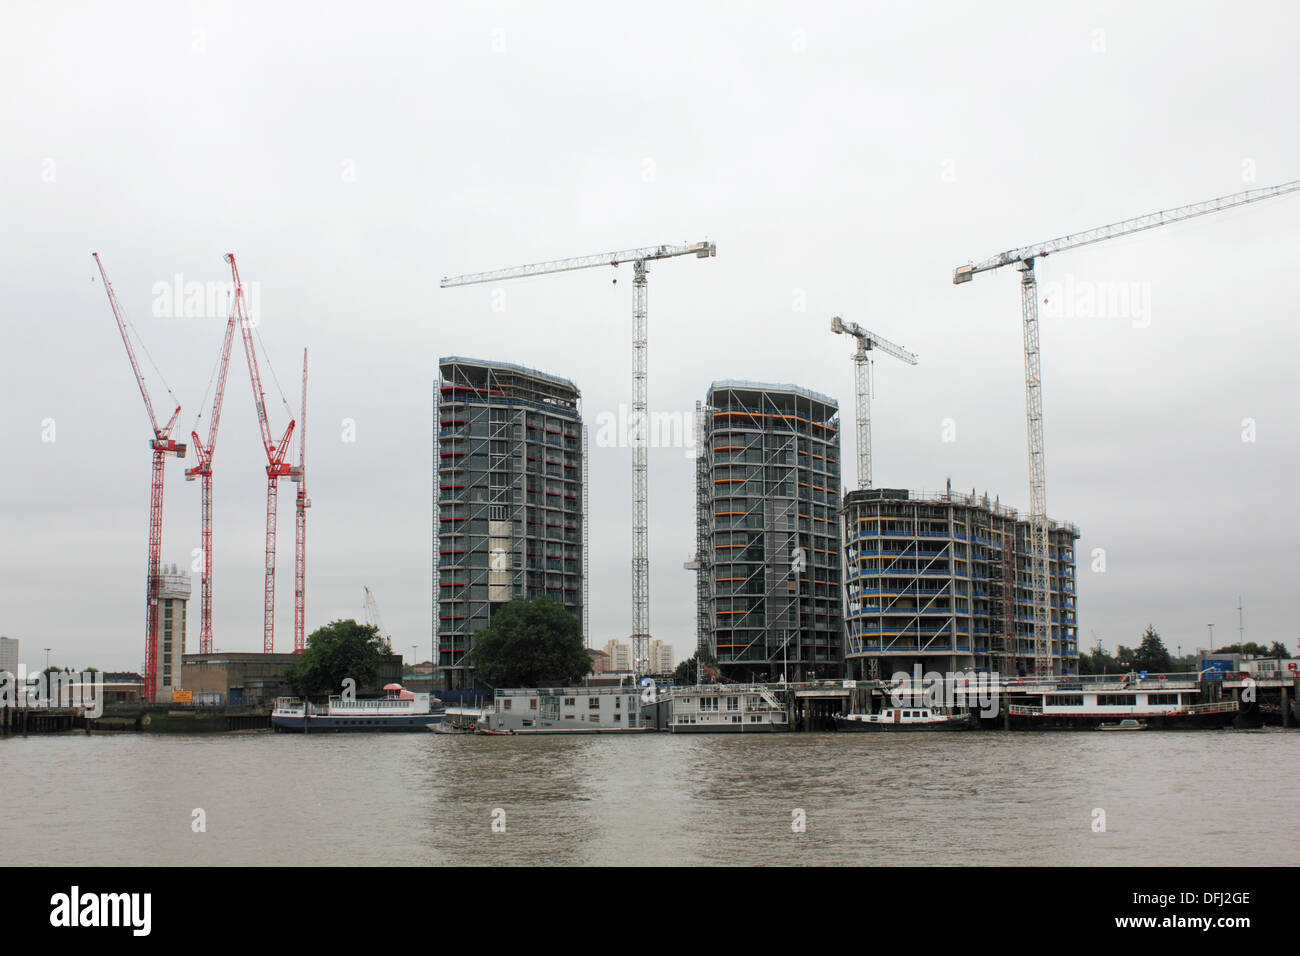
372,616
639,421
862,385
1024,261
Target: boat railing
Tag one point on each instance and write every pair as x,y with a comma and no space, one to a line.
378,703
1025,710
1216,706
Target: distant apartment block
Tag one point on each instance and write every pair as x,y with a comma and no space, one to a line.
661,658
9,655
507,499
767,531
944,581
619,656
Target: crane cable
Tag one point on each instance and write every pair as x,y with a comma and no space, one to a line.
140,341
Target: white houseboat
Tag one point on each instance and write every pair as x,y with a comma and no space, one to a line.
726,709
400,711
1158,702
563,710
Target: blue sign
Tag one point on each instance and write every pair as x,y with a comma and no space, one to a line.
1215,669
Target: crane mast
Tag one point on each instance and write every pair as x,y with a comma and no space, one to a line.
276,465
639,423
203,470
300,524
162,446
862,385
1023,258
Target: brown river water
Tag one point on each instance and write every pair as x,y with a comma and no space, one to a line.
990,798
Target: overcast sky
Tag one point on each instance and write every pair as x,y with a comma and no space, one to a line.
844,158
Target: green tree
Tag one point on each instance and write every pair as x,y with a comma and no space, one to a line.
336,652
690,670
1249,649
533,643
1097,662
1279,651
1151,655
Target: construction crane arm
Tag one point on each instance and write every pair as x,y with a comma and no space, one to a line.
701,250
871,340
159,433
202,451
1138,224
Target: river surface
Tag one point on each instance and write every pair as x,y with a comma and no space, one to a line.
991,798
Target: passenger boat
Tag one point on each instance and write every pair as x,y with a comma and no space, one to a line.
1124,725
726,709
400,711
895,719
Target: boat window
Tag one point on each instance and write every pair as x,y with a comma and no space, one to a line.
506,705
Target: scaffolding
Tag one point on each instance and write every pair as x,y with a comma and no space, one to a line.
947,575
511,514
767,530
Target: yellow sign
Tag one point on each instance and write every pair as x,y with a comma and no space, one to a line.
182,696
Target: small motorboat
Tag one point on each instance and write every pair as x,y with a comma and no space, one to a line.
1124,725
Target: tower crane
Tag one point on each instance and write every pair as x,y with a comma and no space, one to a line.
862,385
300,524
277,466
373,619
639,422
1024,258
203,469
162,445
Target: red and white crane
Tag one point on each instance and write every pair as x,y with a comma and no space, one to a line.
300,524
203,469
277,465
162,445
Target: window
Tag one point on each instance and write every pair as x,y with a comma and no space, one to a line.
593,703
506,705
532,703
733,703
709,703
570,701
618,718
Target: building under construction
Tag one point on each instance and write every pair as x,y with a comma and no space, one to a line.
508,500
944,581
767,526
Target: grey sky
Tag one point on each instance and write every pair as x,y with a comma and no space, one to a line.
848,155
